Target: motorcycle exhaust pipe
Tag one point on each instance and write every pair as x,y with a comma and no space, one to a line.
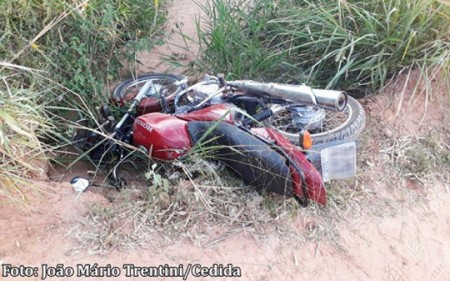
330,99
334,100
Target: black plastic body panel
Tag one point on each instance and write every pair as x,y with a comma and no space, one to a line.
253,160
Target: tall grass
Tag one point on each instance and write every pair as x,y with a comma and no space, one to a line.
56,59
82,43
232,42
77,45
22,123
353,45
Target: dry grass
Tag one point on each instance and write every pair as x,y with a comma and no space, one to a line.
22,123
164,212
417,158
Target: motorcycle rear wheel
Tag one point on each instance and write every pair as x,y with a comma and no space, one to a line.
337,126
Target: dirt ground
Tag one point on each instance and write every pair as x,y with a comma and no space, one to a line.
398,230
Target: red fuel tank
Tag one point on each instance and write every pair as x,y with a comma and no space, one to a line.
164,136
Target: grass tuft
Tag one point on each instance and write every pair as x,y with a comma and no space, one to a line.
22,125
353,45
57,58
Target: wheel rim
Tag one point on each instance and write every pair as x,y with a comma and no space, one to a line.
129,93
333,122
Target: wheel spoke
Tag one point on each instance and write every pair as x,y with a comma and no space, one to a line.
333,120
133,89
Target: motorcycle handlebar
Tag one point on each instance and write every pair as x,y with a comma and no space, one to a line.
143,91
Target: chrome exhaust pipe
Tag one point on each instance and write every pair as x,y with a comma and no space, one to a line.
330,99
334,100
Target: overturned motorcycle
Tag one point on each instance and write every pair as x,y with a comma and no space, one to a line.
286,139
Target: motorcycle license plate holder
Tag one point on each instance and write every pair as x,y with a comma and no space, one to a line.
338,161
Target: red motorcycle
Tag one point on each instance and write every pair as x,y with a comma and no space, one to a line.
262,131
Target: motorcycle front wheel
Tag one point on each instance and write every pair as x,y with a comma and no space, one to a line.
126,90
331,126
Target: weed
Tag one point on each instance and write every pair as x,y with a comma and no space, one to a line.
351,45
56,58
22,155
418,158
85,48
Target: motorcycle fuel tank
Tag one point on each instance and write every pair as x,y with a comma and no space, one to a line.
164,136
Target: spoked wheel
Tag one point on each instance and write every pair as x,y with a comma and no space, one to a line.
324,125
128,89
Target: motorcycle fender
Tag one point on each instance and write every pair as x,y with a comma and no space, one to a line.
148,105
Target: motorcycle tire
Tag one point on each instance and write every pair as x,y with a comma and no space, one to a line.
347,130
128,89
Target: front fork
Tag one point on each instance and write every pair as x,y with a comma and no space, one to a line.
100,149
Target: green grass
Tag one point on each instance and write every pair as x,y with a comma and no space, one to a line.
351,45
81,46
57,59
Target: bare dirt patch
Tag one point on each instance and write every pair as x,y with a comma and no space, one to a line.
181,49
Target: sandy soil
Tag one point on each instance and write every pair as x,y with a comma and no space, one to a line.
408,240
181,36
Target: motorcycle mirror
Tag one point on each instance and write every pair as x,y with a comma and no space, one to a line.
80,184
